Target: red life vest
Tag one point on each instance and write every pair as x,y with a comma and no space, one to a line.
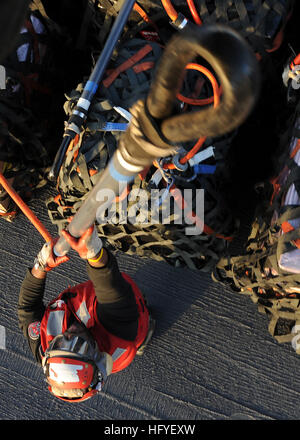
82,305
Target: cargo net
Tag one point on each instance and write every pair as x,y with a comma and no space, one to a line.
127,81
261,22
269,270
24,157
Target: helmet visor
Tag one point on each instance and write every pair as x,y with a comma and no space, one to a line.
77,345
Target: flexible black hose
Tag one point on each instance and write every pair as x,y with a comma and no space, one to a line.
240,82
236,68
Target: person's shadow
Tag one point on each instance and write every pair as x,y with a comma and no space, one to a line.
169,291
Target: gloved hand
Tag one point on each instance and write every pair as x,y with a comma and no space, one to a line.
46,260
88,245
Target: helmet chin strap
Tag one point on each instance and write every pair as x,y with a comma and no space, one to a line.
104,364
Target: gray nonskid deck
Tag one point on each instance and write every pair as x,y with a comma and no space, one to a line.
211,357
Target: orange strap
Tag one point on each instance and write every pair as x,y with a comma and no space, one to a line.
287,227
143,173
296,149
127,65
143,67
191,215
124,194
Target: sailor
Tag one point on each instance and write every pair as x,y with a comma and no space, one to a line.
90,330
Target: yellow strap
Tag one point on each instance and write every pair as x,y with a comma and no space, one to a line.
97,259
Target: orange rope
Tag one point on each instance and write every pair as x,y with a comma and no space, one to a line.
172,13
26,210
210,76
216,99
194,12
215,86
193,151
144,16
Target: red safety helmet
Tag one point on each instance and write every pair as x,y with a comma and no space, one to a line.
75,368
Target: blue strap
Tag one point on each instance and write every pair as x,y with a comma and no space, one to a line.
205,169
113,126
